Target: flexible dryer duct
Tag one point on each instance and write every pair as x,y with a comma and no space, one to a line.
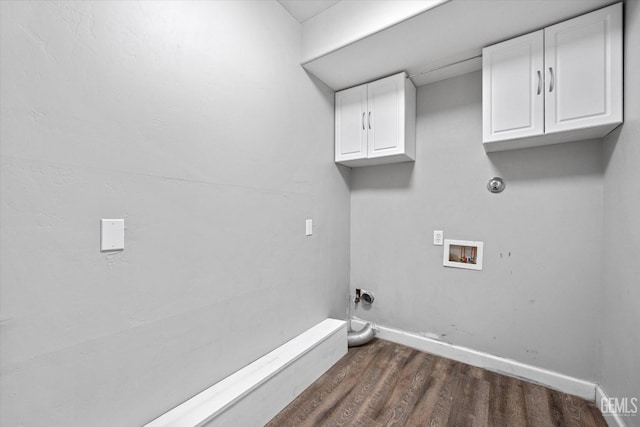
361,337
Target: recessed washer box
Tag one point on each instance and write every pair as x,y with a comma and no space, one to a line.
111,234
463,254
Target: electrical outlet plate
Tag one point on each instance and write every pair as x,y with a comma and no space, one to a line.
438,237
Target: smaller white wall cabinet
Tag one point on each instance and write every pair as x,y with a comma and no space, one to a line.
559,84
376,122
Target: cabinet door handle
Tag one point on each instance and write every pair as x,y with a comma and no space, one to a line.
539,82
363,113
369,119
551,83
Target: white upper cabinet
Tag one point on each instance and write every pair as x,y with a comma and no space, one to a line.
583,60
351,123
512,86
386,107
563,83
375,122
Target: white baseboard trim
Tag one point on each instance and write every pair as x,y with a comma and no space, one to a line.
256,393
613,420
555,380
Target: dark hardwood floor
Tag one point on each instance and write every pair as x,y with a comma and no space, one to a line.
386,384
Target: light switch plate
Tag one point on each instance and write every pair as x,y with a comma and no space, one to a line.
111,234
309,227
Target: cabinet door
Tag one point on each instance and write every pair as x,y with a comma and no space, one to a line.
512,88
351,124
583,59
385,118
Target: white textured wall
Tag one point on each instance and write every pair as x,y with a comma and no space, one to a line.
621,287
195,122
538,298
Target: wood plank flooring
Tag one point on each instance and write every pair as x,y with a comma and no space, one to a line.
387,384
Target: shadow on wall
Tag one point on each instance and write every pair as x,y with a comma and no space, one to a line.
550,162
321,87
394,176
345,173
609,146
328,95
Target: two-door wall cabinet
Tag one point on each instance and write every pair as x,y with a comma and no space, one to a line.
562,83
376,122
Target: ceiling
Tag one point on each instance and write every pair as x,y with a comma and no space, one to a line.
305,9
